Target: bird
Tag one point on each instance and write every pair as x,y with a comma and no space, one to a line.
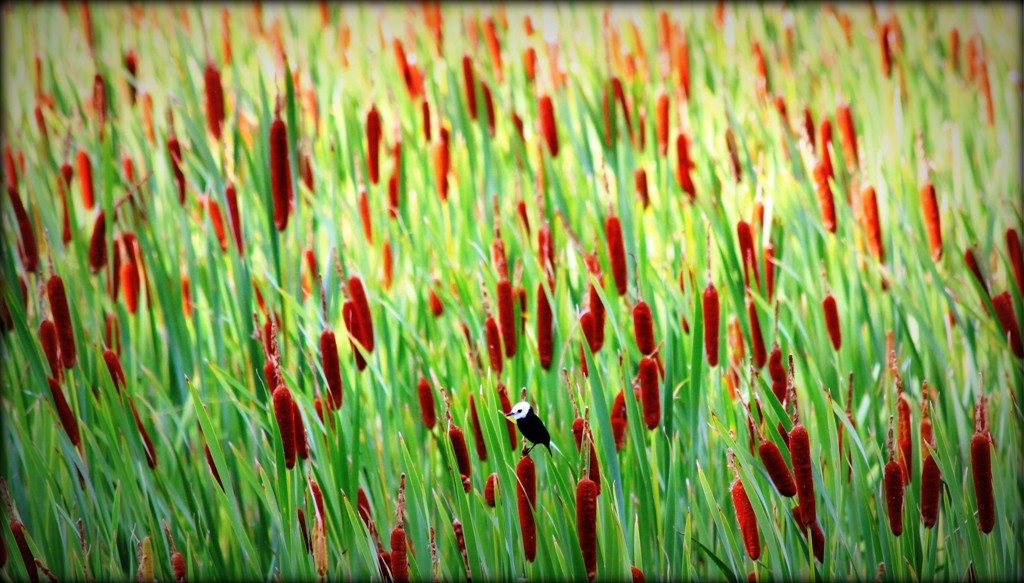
530,426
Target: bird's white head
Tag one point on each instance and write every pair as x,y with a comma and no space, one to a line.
519,411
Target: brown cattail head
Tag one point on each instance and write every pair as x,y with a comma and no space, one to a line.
932,221
711,323
442,163
745,236
643,327
618,419
62,319
280,172
493,336
331,367
981,469
214,100
18,530
51,349
67,417
507,316
684,166
869,213
1003,304
470,85
399,555
586,524
490,489
373,135
478,434
98,243
28,248
458,441
776,467
640,182
893,477
174,150
931,476
847,135
362,306
285,423
85,178
1016,254
427,409
800,451
545,327
236,226
747,520
649,392
299,427
114,368
828,306
548,129
526,498
826,202
146,441
661,118
616,252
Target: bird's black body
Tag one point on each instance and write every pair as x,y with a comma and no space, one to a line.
530,426
534,431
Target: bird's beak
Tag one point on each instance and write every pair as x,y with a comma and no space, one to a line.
507,415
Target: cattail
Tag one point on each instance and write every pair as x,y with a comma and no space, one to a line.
362,305
489,489
399,557
98,243
373,134
930,210
618,419
734,155
981,470
847,135
27,245
800,451
48,340
363,506
756,339
931,476
426,395
869,211
301,444
826,203
586,523
649,392
478,434
146,441
776,467
353,325
114,368
236,226
809,126
285,423
147,116
436,307
643,328
506,317
661,119
636,574
828,306
364,215
769,269
67,417
280,172
596,307
493,336
384,564
85,179
488,107
214,100
186,295
213,466
304,531
817,536
442,162
174,149
458,441
212,208
178,566
903,439
885,49
893,477
579,428
616,252
683,166
99,101
747,520
470,85
711,323
1003,304
545,327
331,367
1014,250
761,81
745,236
640,182
526,498
62,318
506,405
129,275
547,124
18,530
